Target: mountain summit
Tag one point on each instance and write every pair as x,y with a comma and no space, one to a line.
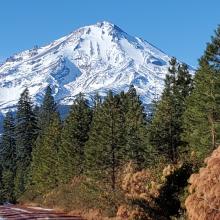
92,59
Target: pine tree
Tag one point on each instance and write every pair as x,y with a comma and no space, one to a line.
96,102
49,125
44,167
104,152
137,148
26,133
8,155
166,127
8,143
201,119
47,109
45,114
2,194
212,52
7,179
74,135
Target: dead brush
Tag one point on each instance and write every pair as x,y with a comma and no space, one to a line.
203,203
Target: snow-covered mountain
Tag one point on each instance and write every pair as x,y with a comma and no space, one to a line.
91,59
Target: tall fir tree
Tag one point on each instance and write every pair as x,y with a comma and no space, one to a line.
2,199
47,118
8,156
104,149
137,148
44,167
26,134
74,136
47,109
45,114
166,127
202,116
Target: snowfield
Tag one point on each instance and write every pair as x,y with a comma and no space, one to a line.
91,59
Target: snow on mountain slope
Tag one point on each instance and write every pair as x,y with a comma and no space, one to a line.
91,59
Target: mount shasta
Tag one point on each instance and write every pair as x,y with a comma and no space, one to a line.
92,59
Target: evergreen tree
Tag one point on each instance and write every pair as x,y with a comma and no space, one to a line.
97,101
47,117
44,167
47,109
8,143
166,127
36,112
201,119
137,148
26,133
2,194
104,149
8,155
45,114
212,52
74,135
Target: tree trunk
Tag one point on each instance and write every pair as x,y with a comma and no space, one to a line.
213,132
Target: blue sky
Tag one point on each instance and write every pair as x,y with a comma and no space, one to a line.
180,28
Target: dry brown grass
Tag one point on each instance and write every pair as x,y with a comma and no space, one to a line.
203,203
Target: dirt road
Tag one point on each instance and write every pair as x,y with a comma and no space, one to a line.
25,213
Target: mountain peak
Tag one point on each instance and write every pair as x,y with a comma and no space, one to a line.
101,28
110,26
105,23
92,59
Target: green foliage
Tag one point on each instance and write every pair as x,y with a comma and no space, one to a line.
201,119
26,134
137,147
7,158
106,141
44,168
1,187
166,127
47,109
118,135
74,135
212,52
7,189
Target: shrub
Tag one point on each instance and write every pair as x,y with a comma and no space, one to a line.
203,203
155,192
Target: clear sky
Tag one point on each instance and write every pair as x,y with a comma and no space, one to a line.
180,28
